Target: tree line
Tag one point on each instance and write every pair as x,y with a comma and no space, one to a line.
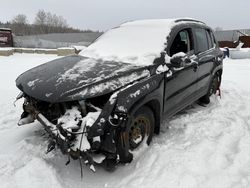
44,23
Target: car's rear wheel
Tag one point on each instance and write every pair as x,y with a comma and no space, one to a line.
214,86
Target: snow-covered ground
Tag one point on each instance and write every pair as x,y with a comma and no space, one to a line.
204,146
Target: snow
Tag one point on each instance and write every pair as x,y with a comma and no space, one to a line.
137,42
90,118
113,84
203,146
26,120
32,83
83,67
138,140
77,70
70,119
79,48
5,48
179,54
242,53
161,69
82,142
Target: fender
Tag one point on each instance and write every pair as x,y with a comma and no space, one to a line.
148,92
127,98
217,68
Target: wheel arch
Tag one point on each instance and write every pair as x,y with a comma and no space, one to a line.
155,105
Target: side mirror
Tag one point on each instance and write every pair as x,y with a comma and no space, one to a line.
179,60
176,62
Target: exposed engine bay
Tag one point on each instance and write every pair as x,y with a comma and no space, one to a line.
69,125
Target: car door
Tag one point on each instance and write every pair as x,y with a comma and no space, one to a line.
180,83
205,51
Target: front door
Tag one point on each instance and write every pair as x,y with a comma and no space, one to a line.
181,85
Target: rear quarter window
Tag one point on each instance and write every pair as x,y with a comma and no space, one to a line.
201,40
213,39
209,40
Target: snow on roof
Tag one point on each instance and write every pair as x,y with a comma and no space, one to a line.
6,29
149,23
137,42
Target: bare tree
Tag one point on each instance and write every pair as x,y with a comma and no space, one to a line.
20,19
55,21
40,18
19,23
45,22
62,22
40,21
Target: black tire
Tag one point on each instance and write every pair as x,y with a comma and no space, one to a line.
141,127
214,85
125,142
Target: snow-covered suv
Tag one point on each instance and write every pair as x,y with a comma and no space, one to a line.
115,94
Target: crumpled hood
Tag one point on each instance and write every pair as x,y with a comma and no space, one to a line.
77,77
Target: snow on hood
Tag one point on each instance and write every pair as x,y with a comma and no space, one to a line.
77,77
138,42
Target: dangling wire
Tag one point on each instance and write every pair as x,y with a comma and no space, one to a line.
80,151
80,161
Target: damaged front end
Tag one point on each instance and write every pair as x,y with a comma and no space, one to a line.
79,102
81,129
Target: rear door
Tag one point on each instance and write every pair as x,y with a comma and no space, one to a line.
205,51
181,85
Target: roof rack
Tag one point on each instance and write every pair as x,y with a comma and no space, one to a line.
188,20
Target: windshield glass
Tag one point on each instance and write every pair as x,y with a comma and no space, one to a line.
138,42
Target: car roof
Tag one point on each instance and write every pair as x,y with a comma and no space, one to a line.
162,22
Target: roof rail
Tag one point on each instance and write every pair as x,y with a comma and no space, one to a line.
188,20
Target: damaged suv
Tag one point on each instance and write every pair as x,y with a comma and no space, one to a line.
113,96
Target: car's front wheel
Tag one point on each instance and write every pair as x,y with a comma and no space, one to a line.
141,128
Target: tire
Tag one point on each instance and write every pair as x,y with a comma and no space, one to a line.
213,87
141,127
129,139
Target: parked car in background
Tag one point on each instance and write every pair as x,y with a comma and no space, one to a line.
6,38
114,95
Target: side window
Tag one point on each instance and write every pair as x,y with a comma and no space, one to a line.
183,42
201,40
209,40
213,38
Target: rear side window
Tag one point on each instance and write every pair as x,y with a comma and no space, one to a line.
201,40
213,38
209,40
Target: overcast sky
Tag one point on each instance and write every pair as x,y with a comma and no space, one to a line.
104,14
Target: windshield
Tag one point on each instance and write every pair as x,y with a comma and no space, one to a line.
137,42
